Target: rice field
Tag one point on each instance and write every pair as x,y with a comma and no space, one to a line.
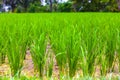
85,45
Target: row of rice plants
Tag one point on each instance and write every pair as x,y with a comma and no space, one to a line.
77,45
16,48
14,41
96,46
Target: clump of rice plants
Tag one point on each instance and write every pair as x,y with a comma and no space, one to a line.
16,49
73,51
3,44
118,45
58,40
38,49
89,47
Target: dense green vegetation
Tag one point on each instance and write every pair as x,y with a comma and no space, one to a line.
80,41
32,6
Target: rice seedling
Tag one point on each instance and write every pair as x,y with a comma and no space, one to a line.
90,49
111,48
59,50
16,49
73,42
38,48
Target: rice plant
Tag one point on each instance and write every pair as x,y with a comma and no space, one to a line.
3,44
16,49
38,48
58,43
2,49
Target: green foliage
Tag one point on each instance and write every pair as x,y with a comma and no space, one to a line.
36,7
73,49
69,6
79,41
64,7
38,49
3,44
